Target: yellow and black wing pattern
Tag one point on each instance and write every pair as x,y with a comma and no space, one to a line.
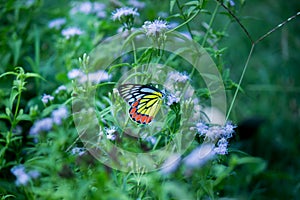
144,101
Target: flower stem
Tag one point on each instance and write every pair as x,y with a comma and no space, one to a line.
210,24
240,82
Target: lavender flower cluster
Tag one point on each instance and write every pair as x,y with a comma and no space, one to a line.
46,124
217,132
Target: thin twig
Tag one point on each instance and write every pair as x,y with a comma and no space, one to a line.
277,27
237,20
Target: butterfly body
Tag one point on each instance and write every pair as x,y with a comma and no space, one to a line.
144,100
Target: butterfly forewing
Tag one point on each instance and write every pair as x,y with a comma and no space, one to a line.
145,101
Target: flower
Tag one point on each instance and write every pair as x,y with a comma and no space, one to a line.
125,16
82,7
202,128
95,77
78,151
89,8
99,9
228,130
179,77
156,28
172,99
151,139
216,131
170,164
199,156
71,31
136,3
19,172
29,3
60,88
110,133
46,98
57,23
75,73
231,3
122,14
34,174
22,177
41,125
59,114
222,147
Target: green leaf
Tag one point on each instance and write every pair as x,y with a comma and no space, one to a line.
192,3
8,112
62,77
117,66
172,3
4,116
12,98
190,11
34,75
8,73
23,117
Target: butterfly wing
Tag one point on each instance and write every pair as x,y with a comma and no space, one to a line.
145,101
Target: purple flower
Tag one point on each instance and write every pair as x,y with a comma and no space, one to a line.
46,98
122,14
71,31
170,164
110,133
136,4
172,99
199,156
89,8
151,139
155,29
59,114
179,77
41,125
202,128
60,88
22,177
78,151
82,7
75,73
228,130
95,77
57,23
222,147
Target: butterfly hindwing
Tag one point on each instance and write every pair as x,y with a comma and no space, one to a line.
145,101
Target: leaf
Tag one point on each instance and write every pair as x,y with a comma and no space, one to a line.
24,117
8,73
34,75
172,3
190,11
8,112
12,98
192,3
4,116
117,66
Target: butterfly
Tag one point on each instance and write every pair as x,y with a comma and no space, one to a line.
144,101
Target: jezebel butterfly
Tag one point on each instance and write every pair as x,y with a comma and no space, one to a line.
144,101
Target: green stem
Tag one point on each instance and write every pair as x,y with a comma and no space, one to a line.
212,19
13,124
184,23
240,82
184,18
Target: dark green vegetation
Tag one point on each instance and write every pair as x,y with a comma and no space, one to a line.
263,159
